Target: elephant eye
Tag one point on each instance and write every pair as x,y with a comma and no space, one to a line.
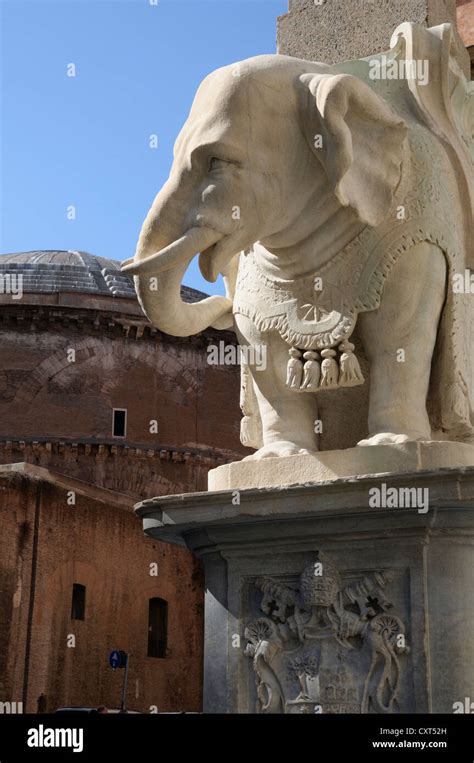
217,164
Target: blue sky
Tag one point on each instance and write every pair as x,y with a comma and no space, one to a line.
83,141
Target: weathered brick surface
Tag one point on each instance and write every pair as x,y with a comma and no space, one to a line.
57,415
44,396
100,545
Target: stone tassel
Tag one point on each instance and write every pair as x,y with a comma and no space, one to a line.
312,371
294,370
350,373
329,369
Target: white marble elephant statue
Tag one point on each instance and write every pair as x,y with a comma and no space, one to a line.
327,196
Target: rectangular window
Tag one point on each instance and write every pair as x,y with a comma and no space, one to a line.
78,607
119,422
157,627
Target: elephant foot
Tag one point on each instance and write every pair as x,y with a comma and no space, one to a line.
390,438
278,449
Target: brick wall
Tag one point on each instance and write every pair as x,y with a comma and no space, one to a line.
59,413
98,543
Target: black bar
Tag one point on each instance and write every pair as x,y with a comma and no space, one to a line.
120,736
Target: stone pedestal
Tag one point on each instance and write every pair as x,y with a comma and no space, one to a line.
349,596
331,464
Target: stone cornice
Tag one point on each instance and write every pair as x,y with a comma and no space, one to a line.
334,507
110,319
105,448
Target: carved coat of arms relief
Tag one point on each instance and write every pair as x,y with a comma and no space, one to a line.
327,648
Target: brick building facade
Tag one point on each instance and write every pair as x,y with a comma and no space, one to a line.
99,408
76,347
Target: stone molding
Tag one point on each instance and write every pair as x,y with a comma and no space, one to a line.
129,325
106,448
192,518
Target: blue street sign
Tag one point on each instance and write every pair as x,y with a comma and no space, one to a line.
117,659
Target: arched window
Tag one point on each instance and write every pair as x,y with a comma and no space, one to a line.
157,627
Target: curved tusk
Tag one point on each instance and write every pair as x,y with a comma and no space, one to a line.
195,240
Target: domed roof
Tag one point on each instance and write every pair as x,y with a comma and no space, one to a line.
50,271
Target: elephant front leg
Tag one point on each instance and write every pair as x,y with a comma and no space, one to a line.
399,339
287,416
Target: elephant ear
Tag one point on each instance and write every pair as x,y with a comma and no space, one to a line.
362,141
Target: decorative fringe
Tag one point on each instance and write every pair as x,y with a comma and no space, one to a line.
312,376
350,373
312,371
294,370
329,369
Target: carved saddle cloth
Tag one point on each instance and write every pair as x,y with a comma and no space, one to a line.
318,312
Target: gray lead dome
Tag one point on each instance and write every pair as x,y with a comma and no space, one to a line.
50,271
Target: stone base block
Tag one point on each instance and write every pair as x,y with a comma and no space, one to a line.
321,601
333,464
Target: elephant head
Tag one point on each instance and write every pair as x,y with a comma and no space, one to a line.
273,150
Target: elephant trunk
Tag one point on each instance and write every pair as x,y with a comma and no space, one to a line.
158,277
